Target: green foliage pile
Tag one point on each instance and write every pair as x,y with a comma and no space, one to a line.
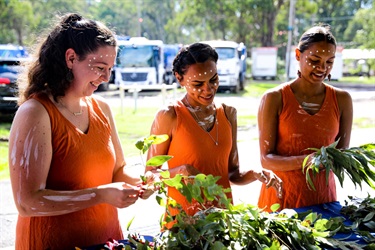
362,213
227,226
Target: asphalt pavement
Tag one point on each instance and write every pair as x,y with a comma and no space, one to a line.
146,213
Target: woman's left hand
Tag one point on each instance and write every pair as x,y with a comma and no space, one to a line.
271,180
147,187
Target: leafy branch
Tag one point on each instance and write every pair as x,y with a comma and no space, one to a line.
357,162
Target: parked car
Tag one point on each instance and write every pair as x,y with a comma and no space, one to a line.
12,51
11,57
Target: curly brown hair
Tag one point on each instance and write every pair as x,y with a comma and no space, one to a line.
47,72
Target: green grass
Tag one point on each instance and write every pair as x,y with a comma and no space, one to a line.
132,126
357,80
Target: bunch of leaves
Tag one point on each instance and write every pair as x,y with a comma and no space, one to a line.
221,225
242,226
245,226
362,212
356,162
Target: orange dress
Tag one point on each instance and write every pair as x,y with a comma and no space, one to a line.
297,131
80,160
192,145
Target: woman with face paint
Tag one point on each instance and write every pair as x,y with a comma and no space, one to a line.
202,134
300,114
65,158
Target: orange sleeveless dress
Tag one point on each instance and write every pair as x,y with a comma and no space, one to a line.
80,160
298,131
191,144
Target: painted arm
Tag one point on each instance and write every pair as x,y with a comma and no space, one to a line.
346,118
30,156
121,174
238,177
268,116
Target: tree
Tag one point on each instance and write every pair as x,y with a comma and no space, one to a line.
362,28
17,17
121,16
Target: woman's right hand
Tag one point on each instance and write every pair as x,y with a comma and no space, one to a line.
119,194
187,170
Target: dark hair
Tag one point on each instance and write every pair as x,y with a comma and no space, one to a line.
316,34
49,71
192,54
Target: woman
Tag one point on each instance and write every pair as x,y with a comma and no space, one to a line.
65,158
300,114
202,135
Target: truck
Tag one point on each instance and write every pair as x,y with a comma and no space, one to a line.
170,52
231,65
139,61
336,72
264,63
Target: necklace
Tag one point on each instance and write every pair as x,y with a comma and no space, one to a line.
203,125
74,113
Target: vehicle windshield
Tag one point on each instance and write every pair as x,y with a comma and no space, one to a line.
136,56
12,53
226,53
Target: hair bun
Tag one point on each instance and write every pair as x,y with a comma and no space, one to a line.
71,18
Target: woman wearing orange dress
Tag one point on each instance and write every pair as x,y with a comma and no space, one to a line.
300,114
65,158
202,134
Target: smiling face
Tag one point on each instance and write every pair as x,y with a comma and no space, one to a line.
316,62
201,82
94,69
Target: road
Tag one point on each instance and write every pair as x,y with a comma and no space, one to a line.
147,213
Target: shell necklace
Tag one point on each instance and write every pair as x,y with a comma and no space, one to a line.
202,124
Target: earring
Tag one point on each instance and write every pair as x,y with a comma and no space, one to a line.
299,74
69,75
329,77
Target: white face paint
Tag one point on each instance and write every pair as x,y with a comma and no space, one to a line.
64,198
96,61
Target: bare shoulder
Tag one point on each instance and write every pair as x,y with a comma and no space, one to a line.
342,95
34,113
167,113
165,121
274,94
102,103
230,111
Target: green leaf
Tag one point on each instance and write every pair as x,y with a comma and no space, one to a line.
174,182
158,160
275,207
369,216
129,223
144,144
139,144
165,174
321,225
